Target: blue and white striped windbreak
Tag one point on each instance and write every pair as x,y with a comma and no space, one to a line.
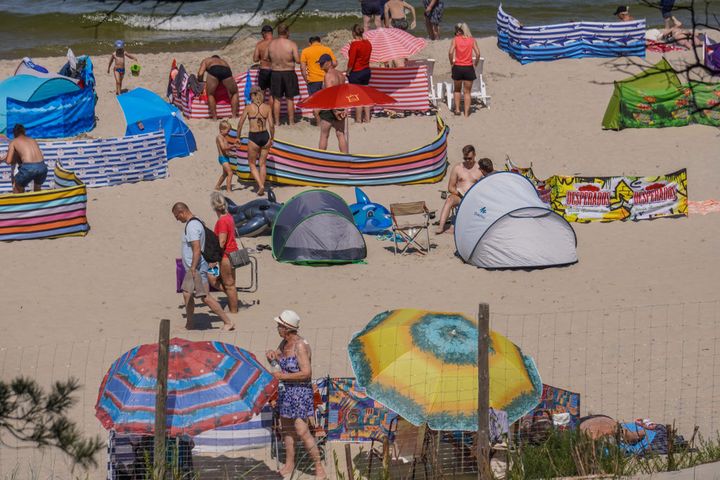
569,40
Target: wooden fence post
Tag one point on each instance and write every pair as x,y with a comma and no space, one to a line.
483,433
159,454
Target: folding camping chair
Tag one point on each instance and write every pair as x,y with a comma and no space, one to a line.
409,230
252,261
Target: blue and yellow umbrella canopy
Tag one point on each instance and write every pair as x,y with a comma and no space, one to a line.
423,365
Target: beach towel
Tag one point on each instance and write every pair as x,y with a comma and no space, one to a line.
255,433
655,440
662,47
704,207
557,402
355,417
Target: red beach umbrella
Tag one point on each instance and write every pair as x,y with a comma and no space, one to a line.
347,95
389,44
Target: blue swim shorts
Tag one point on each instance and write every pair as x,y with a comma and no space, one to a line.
222,159
31,172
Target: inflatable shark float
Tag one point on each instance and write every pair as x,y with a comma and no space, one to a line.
255,217
370,218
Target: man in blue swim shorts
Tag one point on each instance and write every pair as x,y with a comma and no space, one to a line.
372,10
666,8
25,152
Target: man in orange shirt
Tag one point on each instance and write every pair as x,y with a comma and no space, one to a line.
310,68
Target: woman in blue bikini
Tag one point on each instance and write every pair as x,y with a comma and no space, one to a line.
292,362
260,135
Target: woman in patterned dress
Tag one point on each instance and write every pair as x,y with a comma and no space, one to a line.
292,364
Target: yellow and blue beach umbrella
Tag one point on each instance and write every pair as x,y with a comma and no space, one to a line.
423,365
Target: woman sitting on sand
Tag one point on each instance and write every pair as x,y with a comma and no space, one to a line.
225,231
260,136
292,364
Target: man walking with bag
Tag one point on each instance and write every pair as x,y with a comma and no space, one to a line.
195,284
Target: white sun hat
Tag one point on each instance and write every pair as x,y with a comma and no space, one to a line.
288,319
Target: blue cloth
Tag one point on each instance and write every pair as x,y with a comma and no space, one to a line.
31,172
47,107
222,159
666,7
641,446
295,399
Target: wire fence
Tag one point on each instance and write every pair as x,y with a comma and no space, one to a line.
657,362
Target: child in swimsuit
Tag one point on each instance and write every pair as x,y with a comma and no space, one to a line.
224,147
118,57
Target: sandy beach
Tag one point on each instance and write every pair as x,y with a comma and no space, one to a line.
642,291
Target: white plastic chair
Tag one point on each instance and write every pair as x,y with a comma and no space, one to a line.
430,64
479,89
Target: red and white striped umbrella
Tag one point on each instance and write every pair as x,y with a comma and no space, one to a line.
390,44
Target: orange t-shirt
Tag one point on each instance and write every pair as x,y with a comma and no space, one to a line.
463,51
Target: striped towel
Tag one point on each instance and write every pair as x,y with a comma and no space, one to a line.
256,433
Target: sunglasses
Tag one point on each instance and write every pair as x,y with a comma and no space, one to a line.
468,158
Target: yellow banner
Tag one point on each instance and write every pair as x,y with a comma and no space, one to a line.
603,199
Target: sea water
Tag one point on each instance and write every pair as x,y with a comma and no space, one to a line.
48,27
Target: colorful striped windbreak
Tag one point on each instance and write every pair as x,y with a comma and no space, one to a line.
48,213
292,164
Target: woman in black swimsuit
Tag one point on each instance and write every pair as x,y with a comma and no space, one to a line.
260,136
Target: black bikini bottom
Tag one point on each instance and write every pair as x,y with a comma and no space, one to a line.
259,138
221,72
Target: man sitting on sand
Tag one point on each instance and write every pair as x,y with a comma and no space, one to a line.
332,118
218,71
395,16
263,79
462,177
195,285
282,53
25,152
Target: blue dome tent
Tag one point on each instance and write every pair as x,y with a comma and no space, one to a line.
147,112
47,107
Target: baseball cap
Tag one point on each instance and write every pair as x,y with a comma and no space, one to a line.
621,9
119,44
324,58
288,319
266,28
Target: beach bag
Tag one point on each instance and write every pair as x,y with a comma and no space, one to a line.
239,258
212,252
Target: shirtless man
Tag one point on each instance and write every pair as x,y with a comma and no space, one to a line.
218,71
25,151
623,14
259,57
462,177
282,54
332,118
395,15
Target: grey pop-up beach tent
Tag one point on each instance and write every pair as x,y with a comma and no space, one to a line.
316,227
503,223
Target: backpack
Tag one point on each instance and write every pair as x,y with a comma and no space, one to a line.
212,252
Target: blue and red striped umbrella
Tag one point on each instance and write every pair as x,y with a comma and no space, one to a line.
210,385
